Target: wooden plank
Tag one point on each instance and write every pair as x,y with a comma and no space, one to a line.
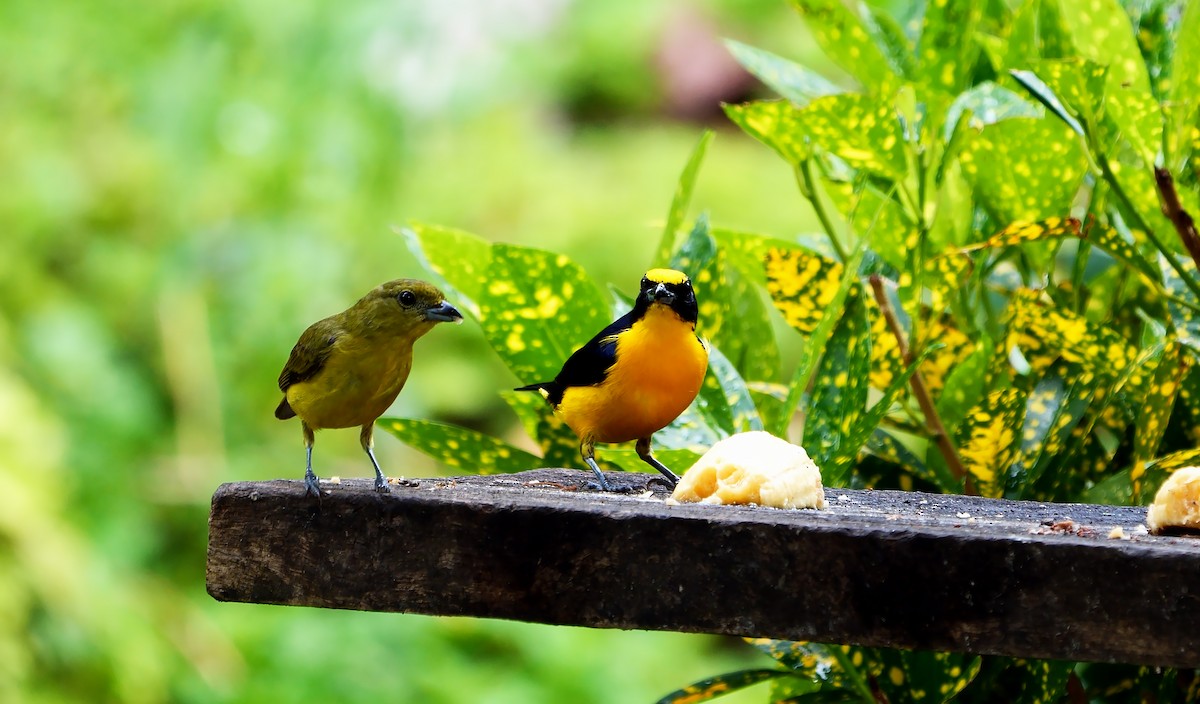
878,568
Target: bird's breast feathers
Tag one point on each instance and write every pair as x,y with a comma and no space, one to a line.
357,384
660,365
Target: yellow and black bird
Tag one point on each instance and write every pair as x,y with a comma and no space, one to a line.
348,368
636,375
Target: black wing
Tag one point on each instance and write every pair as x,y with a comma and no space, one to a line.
588,365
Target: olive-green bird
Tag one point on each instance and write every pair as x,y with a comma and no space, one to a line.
347,369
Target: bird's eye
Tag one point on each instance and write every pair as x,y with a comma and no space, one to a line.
407,299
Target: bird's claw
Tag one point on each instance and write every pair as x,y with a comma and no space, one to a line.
311,487
381,487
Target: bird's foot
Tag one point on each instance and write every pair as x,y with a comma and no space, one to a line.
609,488
381,486
670,485
311,487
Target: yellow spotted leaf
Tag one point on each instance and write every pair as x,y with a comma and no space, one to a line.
843,37
864,131
713,687
801,285
1024,168
457,261
775,123
989,439
1154,411
537,308
459,447
839,395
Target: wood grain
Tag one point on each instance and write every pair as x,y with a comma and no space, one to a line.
877,568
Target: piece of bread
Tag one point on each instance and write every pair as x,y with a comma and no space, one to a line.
753,468
1176,506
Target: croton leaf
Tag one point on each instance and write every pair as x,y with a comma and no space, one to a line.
864,131
537,309
802,284
713,687
1024,168
1102,33
948,49
775,123
1042,681
682,199
989,439
839,394
988,103
939,676
1155,411
459,447
842,36
457,261
790,80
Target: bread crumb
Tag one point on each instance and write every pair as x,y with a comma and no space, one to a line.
754,468
1117,533
1177,503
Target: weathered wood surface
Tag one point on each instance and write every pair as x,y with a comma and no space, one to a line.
882,568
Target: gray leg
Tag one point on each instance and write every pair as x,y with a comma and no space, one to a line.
367,438
311,487
588,449
643,450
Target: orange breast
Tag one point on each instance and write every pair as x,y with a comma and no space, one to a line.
660,367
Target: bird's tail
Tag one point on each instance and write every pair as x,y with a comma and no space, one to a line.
284,410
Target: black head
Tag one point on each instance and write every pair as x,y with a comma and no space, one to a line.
670,288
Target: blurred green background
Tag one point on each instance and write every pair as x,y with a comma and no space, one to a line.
186,185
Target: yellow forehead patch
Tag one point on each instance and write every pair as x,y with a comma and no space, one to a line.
666,276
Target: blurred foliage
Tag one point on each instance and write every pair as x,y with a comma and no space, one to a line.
187,185
992,231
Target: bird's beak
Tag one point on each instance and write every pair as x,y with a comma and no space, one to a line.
664,294
443,313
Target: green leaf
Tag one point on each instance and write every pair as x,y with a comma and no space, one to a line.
459,447
1155,411
1038,31
964,386
537,309
948,49
819,338
843,37
1043,681
941,675
989,439
775,123
714,687
863,130
529,408
1184,87
1116,246
457,261
1102,33
987,104
1055,406
885,445
725,398
889,36
682,198
839,394
1185,318
790,80
1024,168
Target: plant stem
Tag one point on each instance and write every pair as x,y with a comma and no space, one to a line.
920,390
810,188
1173,209
1111,179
